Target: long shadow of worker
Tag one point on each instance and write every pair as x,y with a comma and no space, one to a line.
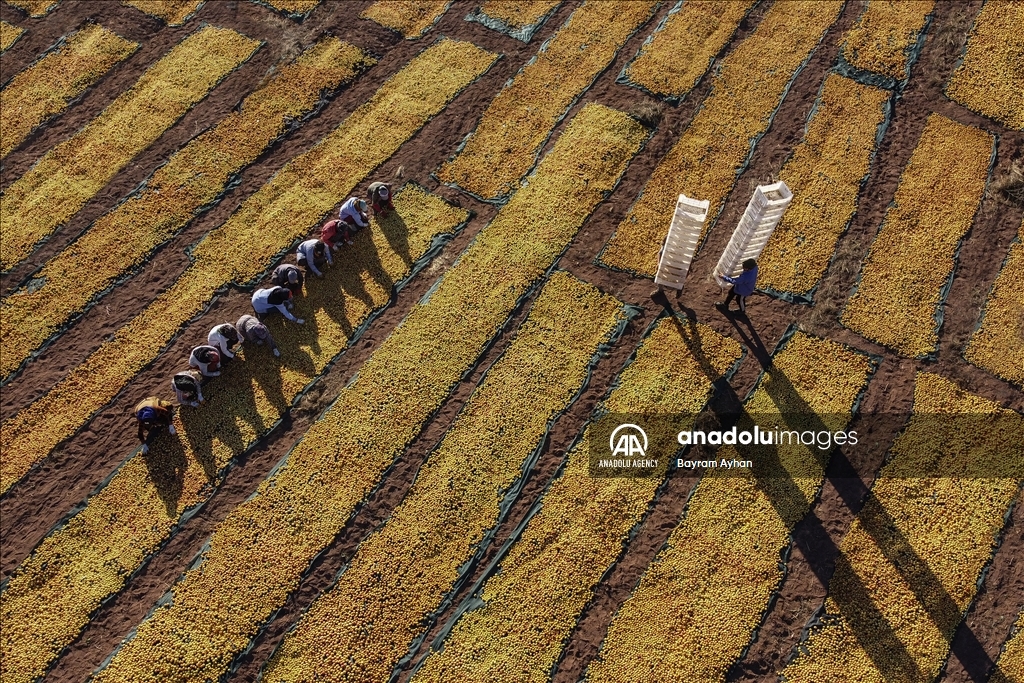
741,323
396,232
855,601
265,369
166,464
229,398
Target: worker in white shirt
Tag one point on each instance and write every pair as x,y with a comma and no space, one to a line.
188,388
355,212
224,337
266,300
310,253
206,359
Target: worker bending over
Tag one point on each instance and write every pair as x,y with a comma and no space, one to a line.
153,414
265,301
380,198
206,359
311,253
188,388
255,332
224,338
288,275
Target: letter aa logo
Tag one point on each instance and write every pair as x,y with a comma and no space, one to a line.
628,445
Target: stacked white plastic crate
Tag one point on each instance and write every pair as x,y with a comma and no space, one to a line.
681,243
763,213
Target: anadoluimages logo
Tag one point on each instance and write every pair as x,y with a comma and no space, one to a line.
628,443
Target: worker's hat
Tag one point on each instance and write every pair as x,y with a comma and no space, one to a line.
384,193
293,276
361,205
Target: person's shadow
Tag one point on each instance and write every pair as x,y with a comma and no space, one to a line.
166,464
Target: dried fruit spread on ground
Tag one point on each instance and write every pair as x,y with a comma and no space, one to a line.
681,51
407,490
705,160
174,12
69,175
35,8
47,87
825,174
1010,666
411,18
9,35
258,554
998,344
531,604
989,78
885,34
284,209
909,566
900,291
400,574
721,564
192,179
89,559
508,138
518,15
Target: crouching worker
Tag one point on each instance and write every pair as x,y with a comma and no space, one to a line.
334,232
153,414
355,213
742,286
255,332
267,300
206,359
187,388
380,198
287,275
311,253
224,338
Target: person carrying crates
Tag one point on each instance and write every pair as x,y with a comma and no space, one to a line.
743,285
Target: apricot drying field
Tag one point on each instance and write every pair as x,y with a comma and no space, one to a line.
408,492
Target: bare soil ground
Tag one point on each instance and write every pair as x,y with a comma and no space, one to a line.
33,506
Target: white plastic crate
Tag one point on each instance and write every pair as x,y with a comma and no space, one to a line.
681,242
763,213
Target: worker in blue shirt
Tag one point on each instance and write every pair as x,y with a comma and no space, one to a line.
742,286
